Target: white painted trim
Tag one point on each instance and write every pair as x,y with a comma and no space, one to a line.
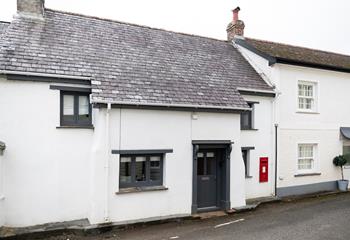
256,90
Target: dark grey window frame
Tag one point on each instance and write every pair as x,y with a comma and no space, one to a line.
251,117
75,122
148,182
247,161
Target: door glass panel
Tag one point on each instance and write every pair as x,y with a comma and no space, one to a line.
125,170
200,165
140,169
211,164
210,154
155,168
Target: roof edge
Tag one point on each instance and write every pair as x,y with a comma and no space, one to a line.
162,106
311,65
243,43
273,60
256,92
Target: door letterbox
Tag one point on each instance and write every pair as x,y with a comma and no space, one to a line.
264,169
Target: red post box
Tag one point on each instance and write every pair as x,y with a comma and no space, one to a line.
264,169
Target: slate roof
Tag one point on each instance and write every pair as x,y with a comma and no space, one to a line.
134,64
301,54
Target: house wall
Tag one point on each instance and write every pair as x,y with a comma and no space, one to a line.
148,129
46,170
56,175
294,127
262,139
321,127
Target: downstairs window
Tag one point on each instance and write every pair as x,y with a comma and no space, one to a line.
306,158
141,170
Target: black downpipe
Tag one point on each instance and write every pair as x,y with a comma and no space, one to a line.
276,155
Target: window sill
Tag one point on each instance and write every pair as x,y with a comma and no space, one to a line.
249,129
141,189
75,127
307,112
307,174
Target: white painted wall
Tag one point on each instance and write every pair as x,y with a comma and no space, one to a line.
56,175
148,129
321,128
46,170
263,141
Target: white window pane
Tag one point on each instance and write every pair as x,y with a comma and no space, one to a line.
155,158
305,164
125,159
200,155
140,159
140,169
125,169
68,105
83,105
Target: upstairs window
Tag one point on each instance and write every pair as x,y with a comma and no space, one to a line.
306,157
141,170
75,109
307,96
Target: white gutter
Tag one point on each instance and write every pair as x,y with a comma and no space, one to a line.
34,74
169,105
106,213
256,90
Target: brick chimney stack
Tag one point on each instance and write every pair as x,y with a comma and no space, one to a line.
236,27
31,8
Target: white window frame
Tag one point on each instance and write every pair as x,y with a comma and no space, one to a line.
314,168
315,90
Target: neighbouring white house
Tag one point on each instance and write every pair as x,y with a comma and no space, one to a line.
311,110
113,122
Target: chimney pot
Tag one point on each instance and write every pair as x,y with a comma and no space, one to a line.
235,14
31,8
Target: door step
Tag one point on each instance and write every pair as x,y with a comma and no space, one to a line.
207,215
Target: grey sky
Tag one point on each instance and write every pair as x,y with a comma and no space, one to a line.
322,24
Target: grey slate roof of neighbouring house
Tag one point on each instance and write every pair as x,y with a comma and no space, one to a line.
295,54
135,64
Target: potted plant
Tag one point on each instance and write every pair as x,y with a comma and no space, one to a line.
340,161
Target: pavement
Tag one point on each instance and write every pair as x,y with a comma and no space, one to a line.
324,217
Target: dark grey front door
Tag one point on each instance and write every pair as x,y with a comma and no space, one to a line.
207,178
